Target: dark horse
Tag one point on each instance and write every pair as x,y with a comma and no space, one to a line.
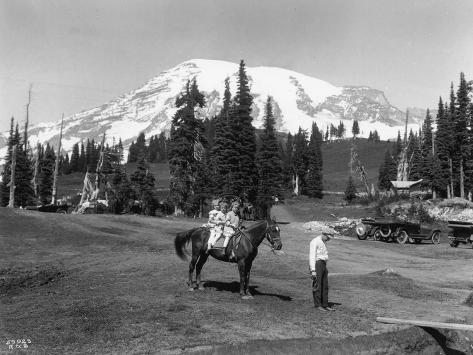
245,253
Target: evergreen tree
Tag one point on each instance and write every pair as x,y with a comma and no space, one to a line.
88,155
350,191
24,193
6,173
341,130
462,148
82,161
186,136
269,163
442,150
132,153
376,138
46,175
355,129
66,165
75,158
121,190
299,160
140,146
287,162
314,183
419,166
223,164
333,131
426,169
246,176
387,172
143,183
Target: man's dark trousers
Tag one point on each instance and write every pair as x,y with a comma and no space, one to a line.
320,284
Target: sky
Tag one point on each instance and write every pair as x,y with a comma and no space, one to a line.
80,54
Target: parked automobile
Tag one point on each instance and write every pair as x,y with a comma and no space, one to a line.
399,231
460,233
63,209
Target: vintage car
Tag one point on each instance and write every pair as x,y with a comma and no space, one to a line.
460,233
399,231
49,208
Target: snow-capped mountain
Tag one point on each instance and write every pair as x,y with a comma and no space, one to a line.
298,101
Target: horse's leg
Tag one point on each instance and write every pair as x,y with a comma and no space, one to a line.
242,271
247,281
202,259
190,283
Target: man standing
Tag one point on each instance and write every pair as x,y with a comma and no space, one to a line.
318,258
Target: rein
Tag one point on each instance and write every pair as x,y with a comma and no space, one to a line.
248,238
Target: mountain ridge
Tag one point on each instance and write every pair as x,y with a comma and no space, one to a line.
298,101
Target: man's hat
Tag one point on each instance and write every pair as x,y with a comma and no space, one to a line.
327,234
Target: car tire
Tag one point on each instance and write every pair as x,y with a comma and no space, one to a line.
61,211
376,234
454,244
402,237
361,231
385,234
435,238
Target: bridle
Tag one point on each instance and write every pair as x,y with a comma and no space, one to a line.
269,229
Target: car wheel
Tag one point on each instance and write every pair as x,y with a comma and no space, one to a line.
411,240
377,235
402,237
454,244
361,231
435,238
61,211
385,231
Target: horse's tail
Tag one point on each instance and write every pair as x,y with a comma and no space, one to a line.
180,242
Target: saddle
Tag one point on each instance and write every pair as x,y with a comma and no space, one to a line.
233,243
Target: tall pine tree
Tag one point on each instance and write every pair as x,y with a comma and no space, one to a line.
186,136
269,164
314,181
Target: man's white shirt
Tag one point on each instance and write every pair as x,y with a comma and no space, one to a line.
317,251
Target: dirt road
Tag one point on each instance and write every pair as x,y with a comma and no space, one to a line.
103,284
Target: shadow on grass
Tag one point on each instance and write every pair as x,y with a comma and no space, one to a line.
444,341
234,287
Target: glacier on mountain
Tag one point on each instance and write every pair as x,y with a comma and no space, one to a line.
298,101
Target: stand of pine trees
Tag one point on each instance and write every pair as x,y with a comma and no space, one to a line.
442,158
236,160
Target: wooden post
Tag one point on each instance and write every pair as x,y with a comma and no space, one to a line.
56,167
423,323
11,202
35,175
25,136
434,192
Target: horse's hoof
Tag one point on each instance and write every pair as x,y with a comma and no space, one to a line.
190,289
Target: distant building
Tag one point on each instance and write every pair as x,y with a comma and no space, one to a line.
404,187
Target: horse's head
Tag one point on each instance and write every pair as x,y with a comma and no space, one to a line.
273,235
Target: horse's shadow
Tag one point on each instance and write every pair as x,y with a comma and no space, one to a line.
234,287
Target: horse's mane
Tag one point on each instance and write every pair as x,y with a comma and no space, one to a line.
256,225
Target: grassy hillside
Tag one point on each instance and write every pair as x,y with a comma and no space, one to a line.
336,156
